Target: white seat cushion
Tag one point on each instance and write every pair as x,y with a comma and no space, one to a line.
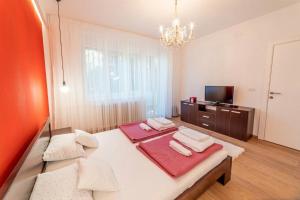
59,184
86,139
97,175
63,147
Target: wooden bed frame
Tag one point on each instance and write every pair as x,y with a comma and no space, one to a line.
221,173
23,171
19,184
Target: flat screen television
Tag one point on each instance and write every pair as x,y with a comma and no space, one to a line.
219,94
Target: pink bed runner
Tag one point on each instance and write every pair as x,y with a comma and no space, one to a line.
171,161
136,134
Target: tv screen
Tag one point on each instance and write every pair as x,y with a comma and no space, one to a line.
219,94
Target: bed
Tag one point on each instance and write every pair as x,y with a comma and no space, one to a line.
139,178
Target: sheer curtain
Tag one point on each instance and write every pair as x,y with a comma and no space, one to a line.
114,77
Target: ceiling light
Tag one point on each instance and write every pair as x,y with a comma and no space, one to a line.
63,88
176,35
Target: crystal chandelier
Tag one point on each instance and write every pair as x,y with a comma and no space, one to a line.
176,35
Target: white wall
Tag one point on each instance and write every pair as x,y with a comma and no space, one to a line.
238,56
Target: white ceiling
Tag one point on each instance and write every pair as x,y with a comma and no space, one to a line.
145,16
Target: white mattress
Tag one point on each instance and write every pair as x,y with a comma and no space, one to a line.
138,177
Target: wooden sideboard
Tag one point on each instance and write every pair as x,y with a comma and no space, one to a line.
234,121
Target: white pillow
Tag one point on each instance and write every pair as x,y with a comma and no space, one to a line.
96,175
59,184
86,139
63,147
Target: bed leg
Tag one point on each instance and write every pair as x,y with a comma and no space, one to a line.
225,178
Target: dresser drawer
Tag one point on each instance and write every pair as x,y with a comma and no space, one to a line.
206,116
207,125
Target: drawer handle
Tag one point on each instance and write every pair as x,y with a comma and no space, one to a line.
185,103
205,124
191,104
237,112
205,116
224,110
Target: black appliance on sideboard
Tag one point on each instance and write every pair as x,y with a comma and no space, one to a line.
218,114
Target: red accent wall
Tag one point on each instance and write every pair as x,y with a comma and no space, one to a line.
23,90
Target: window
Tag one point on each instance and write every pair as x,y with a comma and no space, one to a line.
94,70
122,76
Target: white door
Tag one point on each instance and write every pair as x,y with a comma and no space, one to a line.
283,114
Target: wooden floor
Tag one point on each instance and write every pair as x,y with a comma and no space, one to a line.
265,171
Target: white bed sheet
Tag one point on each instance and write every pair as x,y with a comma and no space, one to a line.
138,177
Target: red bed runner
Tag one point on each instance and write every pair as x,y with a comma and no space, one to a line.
136,134
171,161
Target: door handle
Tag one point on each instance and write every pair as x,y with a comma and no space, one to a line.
237,112
275,93
205,116
224,110
205,124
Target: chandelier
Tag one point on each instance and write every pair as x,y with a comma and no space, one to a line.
176,35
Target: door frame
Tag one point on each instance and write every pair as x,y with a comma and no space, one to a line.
267,85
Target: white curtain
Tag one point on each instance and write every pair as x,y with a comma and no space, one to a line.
114,77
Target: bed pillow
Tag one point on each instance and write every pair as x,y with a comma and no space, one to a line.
59,184
86,139
97,175
62,147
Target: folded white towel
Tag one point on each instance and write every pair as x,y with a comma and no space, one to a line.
195,135
179,148
158,126
193,144
163,120
145,127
